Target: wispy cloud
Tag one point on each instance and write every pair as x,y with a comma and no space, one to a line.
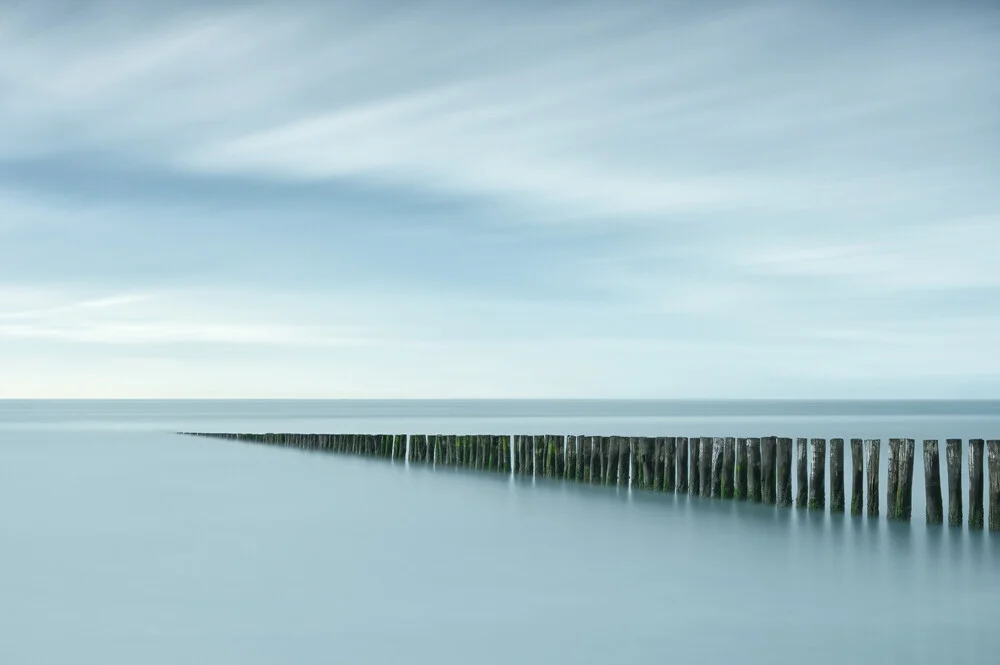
158,318
476,198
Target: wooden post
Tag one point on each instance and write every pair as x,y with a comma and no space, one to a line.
517,454
705,466
623,458
647,461
742,446
953,457
768,469
975,484
682,464
659,458
694,477
583,475
753,470
581,461
904,495
718,450
784,446
570,472
729,468
634,480
595,459
817,475
872,447
559,447
670,464
609,461
538,455
993,459
932,482
858,479
892,484
801,472
836,475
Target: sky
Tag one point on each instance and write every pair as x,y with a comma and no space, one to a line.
487,200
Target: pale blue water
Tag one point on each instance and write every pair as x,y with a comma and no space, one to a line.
123,543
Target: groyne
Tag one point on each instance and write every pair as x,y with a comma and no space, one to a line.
756,469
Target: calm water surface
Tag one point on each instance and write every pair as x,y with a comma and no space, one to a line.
122,543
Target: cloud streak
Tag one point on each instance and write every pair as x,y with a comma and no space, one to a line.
476,198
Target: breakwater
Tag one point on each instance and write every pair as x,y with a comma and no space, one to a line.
756,469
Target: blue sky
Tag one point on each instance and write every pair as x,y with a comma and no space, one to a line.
704,199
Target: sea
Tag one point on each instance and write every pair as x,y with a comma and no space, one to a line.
124,543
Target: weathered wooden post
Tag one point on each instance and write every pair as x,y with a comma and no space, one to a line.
718,449
682,464
705,466
593,472
538,446
659,458
932,482
611,461
623,458
753,470
953,457
694,465
801,472
768,469
975,484
633,463
742,445
904,494
784,446
872,447
517,454
817,475
581,461
858,479
993,459
670,464
570,473
729,468
836,475
892,484
559,445
647,462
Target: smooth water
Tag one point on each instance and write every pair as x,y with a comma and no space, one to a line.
122,543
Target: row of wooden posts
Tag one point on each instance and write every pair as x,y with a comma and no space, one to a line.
750,469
